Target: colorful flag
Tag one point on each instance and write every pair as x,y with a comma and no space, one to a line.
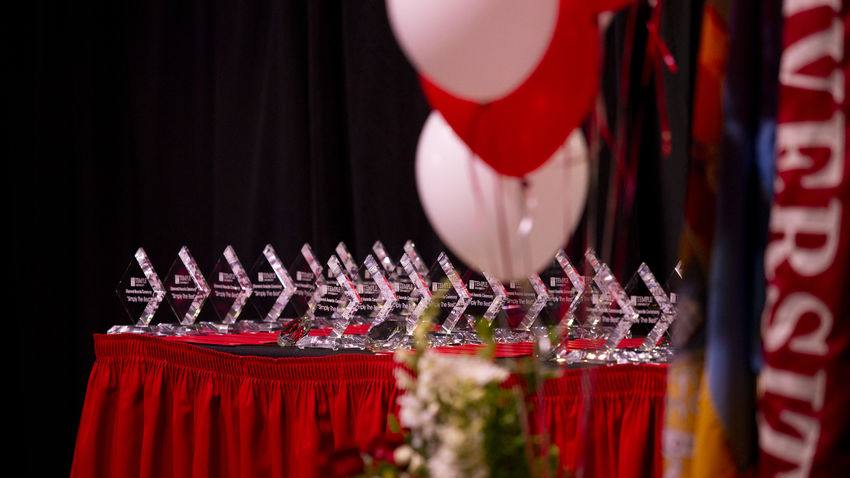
710,417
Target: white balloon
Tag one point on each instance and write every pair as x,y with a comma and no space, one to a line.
489,220
479,50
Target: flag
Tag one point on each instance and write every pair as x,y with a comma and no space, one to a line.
803,412
710,427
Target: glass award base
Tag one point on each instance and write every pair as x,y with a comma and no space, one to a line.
135,329
612,357
272,326
388,336
333,343
510,336
199,328
238,327
443,339
293,330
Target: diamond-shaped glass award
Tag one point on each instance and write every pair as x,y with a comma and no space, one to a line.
452,299
561,290
376,293
488,296
140,292
273,288
572,301
416,259
339,305
419,297
386,297
231,288
412,300
187,290
391,270
609,353
603,313
643,301
310,287
348,263
521,308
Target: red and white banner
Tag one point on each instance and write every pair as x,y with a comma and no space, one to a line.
804,386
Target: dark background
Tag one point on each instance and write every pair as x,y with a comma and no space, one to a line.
167,123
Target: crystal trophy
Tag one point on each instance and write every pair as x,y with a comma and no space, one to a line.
186,291
570,303
419,297
487,299
386,262
656,312
376,293
273,288
231,288
608,352
603,312
340,303
559,280
488,295
452,299
388,299
413,298
348,263
140,292
526,299
419,264
310,287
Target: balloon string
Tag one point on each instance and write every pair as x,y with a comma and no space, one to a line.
477,195
528,203
504,249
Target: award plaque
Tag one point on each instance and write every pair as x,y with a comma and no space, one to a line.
140,292
376,293
488,296
452,300
647,307
386,262
186,291
560,280
525,300
273,288
231,288
420,296
348,263
659,303
339,304
609,353
413,298
310,287
603,313
419,264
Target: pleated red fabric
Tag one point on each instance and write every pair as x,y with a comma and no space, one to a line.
155,408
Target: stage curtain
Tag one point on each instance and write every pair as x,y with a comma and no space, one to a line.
157,409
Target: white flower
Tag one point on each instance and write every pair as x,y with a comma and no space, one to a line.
402,455
442,408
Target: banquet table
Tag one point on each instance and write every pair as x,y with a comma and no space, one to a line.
157,408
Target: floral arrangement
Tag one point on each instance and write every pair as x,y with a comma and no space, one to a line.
460,417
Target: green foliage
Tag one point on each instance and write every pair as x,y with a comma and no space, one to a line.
487,423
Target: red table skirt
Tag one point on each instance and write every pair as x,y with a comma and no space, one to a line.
155,408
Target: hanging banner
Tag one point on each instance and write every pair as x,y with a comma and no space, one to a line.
804,386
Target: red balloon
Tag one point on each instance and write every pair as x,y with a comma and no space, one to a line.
519,132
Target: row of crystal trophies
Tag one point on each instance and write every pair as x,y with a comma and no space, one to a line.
310,306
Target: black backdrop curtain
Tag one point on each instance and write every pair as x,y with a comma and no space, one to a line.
207,123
